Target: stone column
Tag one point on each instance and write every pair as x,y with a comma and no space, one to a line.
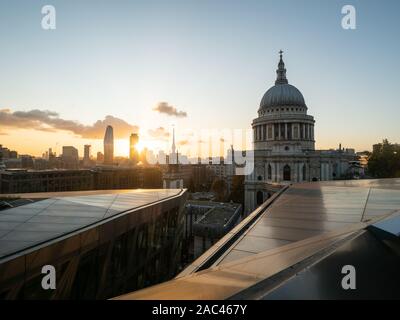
292,131
307,132
261,133
273,131
264,132
279,133
286,135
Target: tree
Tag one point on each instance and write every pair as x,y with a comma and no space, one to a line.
385,160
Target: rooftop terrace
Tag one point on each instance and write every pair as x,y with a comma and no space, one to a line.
292,231
309,209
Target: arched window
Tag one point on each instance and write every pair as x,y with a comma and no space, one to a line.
286,173
304,172
260,197
269,172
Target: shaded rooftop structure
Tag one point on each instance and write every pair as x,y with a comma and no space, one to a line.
100,243
293,245
41,217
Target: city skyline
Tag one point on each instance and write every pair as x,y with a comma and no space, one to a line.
228,150
162,77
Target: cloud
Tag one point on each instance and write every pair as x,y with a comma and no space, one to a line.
163,107
159,133
50,121
183,142
122,129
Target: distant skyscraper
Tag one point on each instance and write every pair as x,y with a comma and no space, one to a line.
86,155
109,146
100,157
133,154
70,157
70,152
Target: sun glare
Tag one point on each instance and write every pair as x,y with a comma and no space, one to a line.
121,148
140,145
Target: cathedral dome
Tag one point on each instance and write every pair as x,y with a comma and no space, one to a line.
282,93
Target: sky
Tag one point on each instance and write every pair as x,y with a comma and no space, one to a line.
149,66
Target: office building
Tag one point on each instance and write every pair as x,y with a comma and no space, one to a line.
87,155
70,157
109,146
133,153
29,181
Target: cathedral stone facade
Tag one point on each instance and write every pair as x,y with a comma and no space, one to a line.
284,145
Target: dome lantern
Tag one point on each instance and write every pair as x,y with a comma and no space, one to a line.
282,94
281,71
